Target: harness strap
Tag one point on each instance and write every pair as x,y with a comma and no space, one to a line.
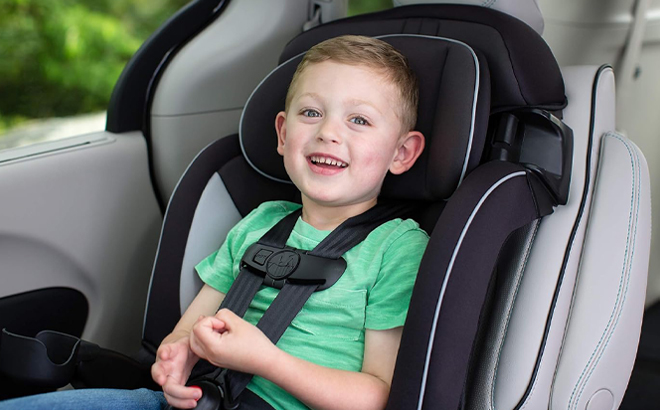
273,323
354,230
241,292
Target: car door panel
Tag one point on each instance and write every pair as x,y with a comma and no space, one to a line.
83,218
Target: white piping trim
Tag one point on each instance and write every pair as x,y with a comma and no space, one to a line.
472,118
429,348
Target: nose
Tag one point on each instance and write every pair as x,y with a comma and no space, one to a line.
329,131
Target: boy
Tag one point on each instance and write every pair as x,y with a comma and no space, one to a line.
348,117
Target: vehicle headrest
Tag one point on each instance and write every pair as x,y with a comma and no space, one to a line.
525,10
524,73
452,115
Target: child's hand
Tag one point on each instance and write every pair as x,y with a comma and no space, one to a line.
174,362
228,341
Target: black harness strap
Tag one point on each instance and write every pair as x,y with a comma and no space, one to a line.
295,291
241,292
273,323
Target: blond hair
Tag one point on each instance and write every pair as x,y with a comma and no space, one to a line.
373,53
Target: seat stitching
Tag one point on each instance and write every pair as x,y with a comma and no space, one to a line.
630,259
606,332
625,273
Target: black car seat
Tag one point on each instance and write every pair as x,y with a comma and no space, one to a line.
454,119
489,319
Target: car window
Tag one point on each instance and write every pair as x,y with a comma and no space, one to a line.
61,59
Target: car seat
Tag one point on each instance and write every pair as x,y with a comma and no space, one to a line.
497,318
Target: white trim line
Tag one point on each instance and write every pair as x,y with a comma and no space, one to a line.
429,348
240,122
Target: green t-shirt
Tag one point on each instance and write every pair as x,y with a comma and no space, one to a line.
373,293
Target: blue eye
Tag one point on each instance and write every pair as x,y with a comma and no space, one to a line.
359,120
310,113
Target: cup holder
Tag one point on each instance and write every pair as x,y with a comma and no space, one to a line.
47,360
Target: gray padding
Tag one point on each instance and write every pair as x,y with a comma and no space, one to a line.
510,268
215,215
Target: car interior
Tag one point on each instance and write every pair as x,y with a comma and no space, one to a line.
531,292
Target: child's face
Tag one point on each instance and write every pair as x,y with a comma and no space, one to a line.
341,134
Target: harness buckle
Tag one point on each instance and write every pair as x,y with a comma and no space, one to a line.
216,394
280,265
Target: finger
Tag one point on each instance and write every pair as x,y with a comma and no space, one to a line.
226,315
157,374
204,323
203,335
181,392
164,352
180,403
218,325
196,348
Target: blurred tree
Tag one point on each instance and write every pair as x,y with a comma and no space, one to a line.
367,6
62,57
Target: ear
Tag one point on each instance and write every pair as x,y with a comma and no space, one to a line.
410,148
280,128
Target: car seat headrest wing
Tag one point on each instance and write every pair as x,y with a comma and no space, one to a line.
453,114
525,10
523,70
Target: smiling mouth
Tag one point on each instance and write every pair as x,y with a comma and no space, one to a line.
327,161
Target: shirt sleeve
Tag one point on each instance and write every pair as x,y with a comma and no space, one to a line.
220,269
388,300
216,270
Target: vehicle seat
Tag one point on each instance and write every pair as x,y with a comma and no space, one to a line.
543,340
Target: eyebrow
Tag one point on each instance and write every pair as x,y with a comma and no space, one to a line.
354,101
357,101
311,95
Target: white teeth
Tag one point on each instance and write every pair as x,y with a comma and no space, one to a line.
328,161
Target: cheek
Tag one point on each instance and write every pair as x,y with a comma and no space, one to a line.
375,164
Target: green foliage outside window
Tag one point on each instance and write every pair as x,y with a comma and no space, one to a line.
63,57
367,6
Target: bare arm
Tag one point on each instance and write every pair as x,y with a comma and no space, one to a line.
206,303
368,389
226,340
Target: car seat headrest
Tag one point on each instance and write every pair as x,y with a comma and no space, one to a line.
452,115
525,10
524,73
